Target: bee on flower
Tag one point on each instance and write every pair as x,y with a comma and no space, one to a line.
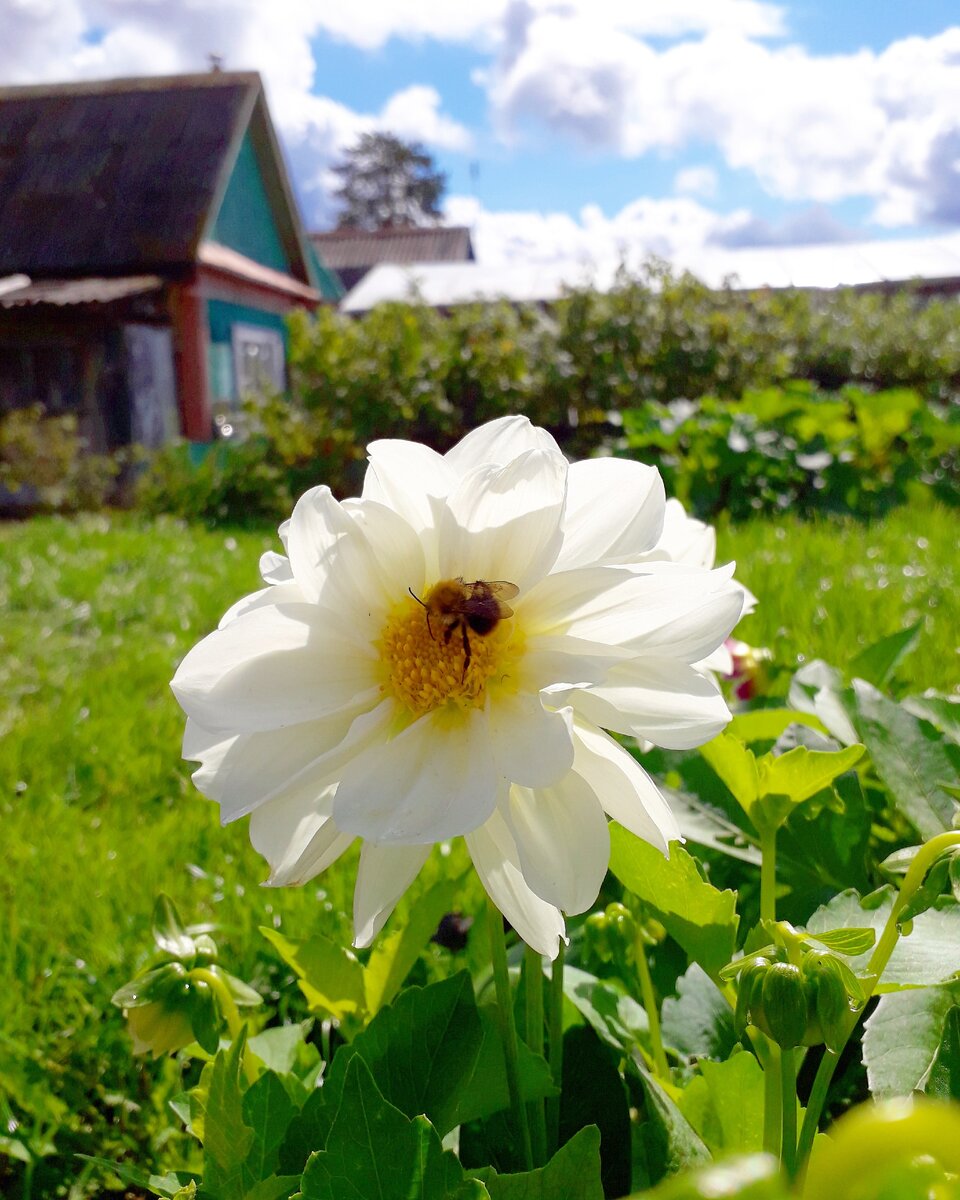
448,655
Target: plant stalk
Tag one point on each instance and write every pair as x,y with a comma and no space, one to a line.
230,1011
555,1049
772,1100
661,1067
536,1112
508,1027
768,875
788,1109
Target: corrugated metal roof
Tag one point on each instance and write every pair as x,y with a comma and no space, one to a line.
222,258
932,261
362,248
80,291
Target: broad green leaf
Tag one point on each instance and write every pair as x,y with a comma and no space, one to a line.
851,941
708,826
163,1185
604,1004
672,1144
698,1022
277,1187
819,689
330,977
911,758
902,1037
939,710
421,1051
737,767
486,1091
227,1137
168,930
373,1150
393,956
594,1094
767,724
572,1174
945,1074
801,773
823,849
268,1111
697,915
278,1048
877,663
724,1104
927,956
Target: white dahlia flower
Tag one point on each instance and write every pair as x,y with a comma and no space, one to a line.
442,657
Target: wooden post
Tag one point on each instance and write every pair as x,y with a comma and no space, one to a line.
190,343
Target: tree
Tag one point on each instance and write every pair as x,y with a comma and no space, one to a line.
385,182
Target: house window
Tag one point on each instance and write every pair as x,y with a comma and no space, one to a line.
258,360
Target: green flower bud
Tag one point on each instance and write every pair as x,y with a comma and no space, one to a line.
749,986
782,1012
157,1012
828,1003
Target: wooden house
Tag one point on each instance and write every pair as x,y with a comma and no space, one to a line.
151,246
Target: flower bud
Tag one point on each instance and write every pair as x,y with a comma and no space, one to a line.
827,1000
782,1012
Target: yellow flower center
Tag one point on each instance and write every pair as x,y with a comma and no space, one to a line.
433,657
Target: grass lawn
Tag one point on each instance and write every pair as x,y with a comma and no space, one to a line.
99,814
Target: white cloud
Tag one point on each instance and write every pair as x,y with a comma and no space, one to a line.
810,127
414,114
696,181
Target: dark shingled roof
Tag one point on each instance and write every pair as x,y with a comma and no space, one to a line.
114,177
352,252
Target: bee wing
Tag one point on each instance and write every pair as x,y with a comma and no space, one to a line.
503,590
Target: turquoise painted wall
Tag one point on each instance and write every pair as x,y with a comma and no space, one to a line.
245,221
222,315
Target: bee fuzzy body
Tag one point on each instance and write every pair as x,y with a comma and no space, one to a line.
476,607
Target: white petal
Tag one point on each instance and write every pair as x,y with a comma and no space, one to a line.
685,539
563,596
406,476
614,511
275,568
254,767
498,442
298,839
275,666
552,661
662,700
285,593
384,874
392,551
622,786
434,780
533,746
562,840
504,522
317,524
495,857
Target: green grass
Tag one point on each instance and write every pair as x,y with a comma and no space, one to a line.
98,813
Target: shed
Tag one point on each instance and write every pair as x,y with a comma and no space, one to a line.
161,245
351,253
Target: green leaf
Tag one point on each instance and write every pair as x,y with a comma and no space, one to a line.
945,1074
373,1150
698,1022
697,915
280,1047
672,1144
393,956
911,758
902,1038
330,977
162,1185
572,1174
924,958
421,1051
724,1104
767,724
736,766
268,1111
851,941
168,930
594,1094
700,822
200,1003
227,1137
604,1004
801,773
939,710
752,1177
877,663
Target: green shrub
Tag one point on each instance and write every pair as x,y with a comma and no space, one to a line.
45,467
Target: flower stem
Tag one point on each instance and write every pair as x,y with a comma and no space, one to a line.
926,856
555,1048
788,1108
230,1011
768,874
508,1028
660,1064
772,1100
536,1112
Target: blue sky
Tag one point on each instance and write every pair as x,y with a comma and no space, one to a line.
574,127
